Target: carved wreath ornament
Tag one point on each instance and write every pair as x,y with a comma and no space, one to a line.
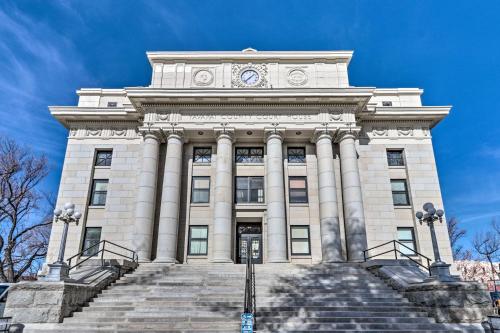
297,77
203,77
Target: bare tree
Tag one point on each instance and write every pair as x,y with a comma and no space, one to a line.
24,223
487,246
456,233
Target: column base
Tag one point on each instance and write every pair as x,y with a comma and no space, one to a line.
165,261
222,261
57,272
333,261
278,261
440,271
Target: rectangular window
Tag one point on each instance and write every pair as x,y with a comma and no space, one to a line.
198,240
92,237
386,103
395,157
300,240
400,192
406,236
103,158
249,190
99,192
112,104
202,155
200,190
297,189
296,155
249,155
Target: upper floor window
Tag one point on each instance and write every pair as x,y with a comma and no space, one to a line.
400,192
112,104
249,155
406,236
395,157
200,190
297,189
296,155
202,155
249,189
103,158
386,103
99,192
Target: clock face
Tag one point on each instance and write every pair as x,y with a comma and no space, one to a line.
249,77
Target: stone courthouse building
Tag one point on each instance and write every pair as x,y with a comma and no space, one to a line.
275,149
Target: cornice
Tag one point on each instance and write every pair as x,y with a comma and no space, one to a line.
69,114
431,114
249,55
141,97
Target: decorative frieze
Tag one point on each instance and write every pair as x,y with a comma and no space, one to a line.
395,129
89,131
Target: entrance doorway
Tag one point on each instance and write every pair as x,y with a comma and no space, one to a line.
249,236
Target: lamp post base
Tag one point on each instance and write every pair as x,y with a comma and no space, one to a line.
440,271
57,272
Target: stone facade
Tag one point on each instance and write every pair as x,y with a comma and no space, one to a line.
268,100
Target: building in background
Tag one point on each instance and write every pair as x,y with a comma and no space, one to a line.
272,149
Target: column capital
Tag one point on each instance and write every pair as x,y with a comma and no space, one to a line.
347,133
274,133
224,133
320,133
153,133
177,133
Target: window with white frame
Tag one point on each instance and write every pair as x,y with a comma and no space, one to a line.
249,190
300,240
200,190
198,240
406,236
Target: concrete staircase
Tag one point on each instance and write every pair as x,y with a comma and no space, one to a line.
209,298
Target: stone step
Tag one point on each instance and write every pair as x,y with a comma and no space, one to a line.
290,298
356,327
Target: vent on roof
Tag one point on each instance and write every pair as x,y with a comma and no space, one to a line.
112,104
386,103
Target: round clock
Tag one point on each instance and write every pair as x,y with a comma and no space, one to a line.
249,77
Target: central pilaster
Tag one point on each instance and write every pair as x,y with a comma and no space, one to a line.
170,200
223,205
331,246
354,216
276,219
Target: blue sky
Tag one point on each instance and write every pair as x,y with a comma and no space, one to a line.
48,49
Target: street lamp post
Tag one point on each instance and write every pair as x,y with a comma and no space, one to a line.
439,269
59,270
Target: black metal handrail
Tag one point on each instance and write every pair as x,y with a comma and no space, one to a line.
396,250
249,305
133,254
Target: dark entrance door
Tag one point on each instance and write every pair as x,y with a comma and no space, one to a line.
249,238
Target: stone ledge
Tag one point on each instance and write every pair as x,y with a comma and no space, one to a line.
447,302
50,302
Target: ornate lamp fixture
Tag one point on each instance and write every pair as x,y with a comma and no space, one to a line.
59,270
439,269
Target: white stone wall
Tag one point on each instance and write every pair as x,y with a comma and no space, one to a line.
116,217
316,75
382,217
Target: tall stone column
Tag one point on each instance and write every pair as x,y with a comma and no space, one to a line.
142,237
223,204
354,216
331,245
168,225
276,220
